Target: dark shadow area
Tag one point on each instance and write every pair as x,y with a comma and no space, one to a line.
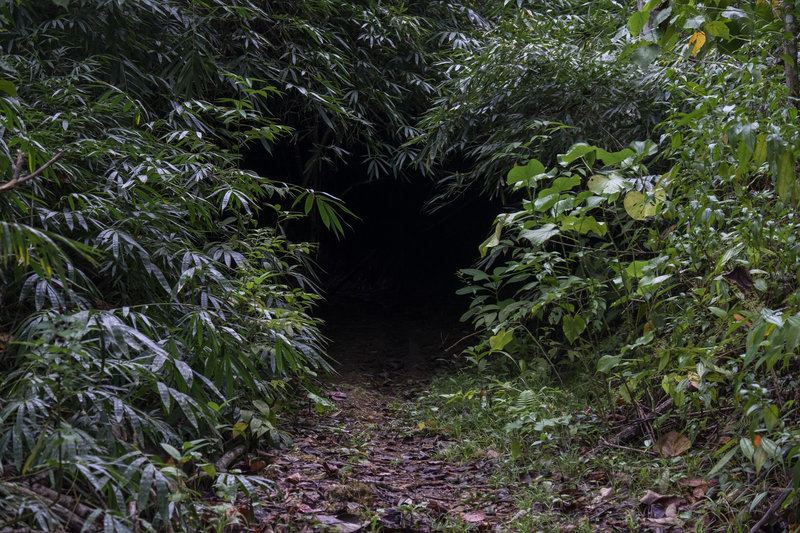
390,282
391,309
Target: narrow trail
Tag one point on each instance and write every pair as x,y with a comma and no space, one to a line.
363,465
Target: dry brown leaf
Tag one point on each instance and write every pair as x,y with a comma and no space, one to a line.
672,444
604,494
337,396
695,489
660,505
473,518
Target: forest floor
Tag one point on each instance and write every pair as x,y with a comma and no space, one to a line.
372,460
364,464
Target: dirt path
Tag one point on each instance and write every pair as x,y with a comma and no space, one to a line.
359,469
364,466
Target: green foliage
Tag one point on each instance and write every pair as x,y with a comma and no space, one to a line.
671,269
575,256
541,80
147,287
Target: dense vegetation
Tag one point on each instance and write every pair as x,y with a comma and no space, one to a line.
156,311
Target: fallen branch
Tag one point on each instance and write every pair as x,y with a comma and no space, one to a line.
80,509
72,520
16,179
229,457
222,464
772,510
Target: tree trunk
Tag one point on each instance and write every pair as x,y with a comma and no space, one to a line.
790,51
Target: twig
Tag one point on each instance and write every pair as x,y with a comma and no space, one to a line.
462,339
133,514
605,443
772,510
16,179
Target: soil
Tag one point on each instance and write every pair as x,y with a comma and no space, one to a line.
363,465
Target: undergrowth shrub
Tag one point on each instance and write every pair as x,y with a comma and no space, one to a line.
150,296
669,272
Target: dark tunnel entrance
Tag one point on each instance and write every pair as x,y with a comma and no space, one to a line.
389,284
397,251
391,307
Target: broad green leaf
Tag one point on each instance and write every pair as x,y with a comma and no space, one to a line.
565,183
573,326
734,13
722,462
760,153
637,22
635,269
493,240
790,333
499,341
540,235
608,183
8,87
785,179
172,451
545,202
608,362
694,23
650,281
718,28
516,448
612,158
747,447
584,225
522,173
576,151
772,416
718,312
760,457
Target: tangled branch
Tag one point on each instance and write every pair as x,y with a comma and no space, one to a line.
16,179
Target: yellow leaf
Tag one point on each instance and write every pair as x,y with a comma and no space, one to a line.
238,429
640,206
647,327
421,425
698,39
